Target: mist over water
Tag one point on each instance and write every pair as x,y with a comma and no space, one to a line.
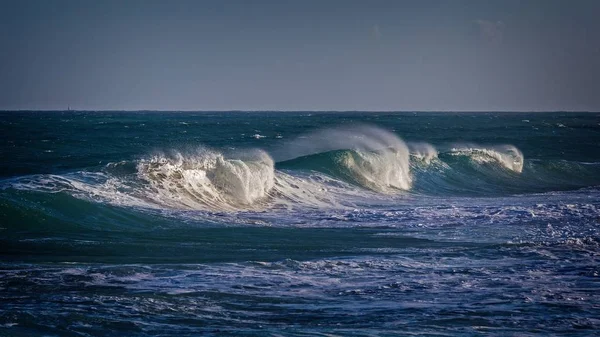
299,223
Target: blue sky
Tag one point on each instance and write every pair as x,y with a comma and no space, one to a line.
300,55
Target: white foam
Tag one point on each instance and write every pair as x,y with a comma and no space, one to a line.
507,156
207,179
313,190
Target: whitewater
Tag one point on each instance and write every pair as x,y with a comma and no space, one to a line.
299,223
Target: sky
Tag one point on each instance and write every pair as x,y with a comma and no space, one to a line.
371,55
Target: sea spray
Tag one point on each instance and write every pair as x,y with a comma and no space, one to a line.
368,156
423,152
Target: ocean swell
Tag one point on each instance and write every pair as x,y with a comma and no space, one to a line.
340,167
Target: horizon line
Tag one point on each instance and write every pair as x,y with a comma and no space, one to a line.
286,111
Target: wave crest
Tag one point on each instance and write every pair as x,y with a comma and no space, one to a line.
423,152
379,171
208,178
363,155
508,156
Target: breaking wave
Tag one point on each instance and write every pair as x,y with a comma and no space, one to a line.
207,178
507,156
384,171
328,168
202,179
366,156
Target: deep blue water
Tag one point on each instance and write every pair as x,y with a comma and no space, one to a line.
299,223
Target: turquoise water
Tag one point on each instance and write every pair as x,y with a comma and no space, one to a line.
299,223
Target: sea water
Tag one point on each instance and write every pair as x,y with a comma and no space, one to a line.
299,223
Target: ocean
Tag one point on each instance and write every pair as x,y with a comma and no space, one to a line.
299,224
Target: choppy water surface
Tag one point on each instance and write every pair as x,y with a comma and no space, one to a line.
155,223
